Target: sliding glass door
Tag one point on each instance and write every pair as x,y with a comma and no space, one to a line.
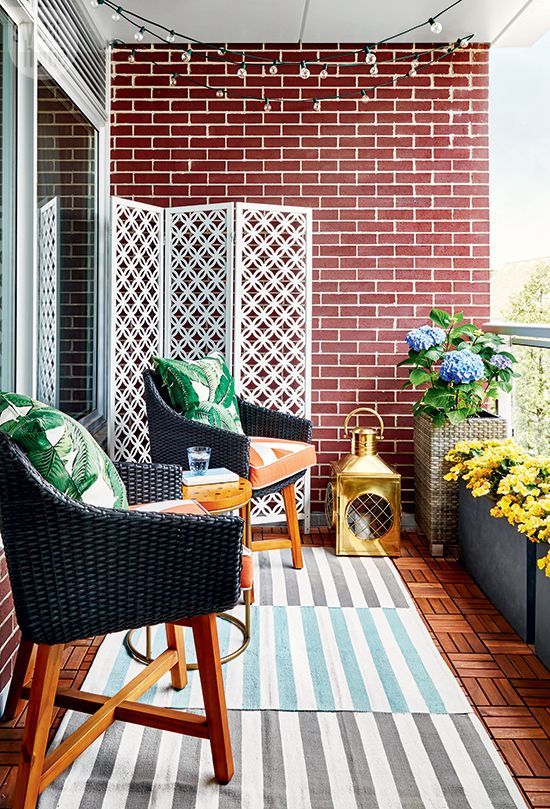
7,199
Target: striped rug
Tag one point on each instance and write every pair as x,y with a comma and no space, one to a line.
310,659
368,716
298,760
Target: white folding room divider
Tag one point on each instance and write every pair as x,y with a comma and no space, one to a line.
236,279
48,271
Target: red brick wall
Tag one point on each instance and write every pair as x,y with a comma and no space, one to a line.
398,187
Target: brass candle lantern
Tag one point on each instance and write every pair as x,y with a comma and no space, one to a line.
363,500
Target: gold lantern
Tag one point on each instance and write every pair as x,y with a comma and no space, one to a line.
363,500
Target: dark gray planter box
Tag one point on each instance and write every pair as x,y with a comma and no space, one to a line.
542,617
501,561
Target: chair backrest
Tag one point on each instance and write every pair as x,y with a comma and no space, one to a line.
78,570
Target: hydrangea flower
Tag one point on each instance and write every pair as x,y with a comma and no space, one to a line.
461,366
424,337
500,361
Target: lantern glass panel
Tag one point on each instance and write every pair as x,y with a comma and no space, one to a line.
369,516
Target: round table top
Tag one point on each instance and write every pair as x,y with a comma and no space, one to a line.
220,496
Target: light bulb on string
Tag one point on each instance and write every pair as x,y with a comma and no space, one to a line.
267,105
171,37
435,26
221,51
273,69
173,79
374,70
132,56
241,72
220,94
324,72
94,3
305,72
138,36
370,56
365,97
415,62
316,105
463,42
186,55
412,73
116,14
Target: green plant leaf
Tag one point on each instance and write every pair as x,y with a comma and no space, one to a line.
440,317
418,376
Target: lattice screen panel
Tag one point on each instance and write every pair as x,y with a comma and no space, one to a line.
48,268
272,320
199,272
137,256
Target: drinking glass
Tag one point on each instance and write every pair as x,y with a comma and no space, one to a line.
199,458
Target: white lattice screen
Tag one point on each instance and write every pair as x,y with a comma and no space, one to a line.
137,320
48,268
199,280
248,297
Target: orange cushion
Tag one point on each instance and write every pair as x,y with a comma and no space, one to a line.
274,459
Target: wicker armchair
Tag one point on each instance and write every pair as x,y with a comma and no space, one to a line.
79,570
170,435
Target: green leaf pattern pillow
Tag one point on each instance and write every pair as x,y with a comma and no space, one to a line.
203,390
62,451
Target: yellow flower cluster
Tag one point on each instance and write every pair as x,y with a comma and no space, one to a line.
519,482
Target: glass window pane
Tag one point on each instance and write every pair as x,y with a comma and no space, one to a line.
67,156
7,198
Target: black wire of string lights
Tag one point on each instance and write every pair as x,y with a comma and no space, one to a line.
225,54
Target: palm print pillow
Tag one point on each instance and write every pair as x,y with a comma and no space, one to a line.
203,390
62,451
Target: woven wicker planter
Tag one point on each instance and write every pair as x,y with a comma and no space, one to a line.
436,500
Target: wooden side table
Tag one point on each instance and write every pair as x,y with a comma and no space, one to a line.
217,498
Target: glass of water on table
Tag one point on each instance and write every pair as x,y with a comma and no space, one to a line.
199,458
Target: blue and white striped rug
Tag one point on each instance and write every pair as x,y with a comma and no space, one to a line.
344,703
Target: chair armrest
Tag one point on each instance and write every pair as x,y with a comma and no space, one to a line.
149,483
262,421
170,434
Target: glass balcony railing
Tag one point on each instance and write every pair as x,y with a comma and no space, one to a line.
527,407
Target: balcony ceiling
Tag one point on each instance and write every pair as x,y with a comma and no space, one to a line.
504,22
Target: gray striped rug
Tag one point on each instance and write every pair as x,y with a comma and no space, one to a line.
287,760
328,580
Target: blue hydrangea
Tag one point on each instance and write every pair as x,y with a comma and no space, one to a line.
501,362
425,337
461,366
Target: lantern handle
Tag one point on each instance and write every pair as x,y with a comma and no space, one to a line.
363,410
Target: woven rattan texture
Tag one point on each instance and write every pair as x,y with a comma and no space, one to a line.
170,434
78,570
436,500
150,482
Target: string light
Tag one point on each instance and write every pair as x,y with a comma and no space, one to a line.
138,36
415,62
221,51
132,56
273,69
435,26
116,14
220,94
305,72
365,97
464,42
374,70
241,72
267,105
370,56
94,3
412,73
171,37
316,105
173,79
186,56
324,72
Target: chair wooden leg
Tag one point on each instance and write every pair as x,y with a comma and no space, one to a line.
37,726
245,514
175,640
289,497
205,634
24,664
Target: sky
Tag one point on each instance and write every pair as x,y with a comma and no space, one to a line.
520,152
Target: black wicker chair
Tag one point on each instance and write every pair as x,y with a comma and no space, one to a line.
79,570
170,435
